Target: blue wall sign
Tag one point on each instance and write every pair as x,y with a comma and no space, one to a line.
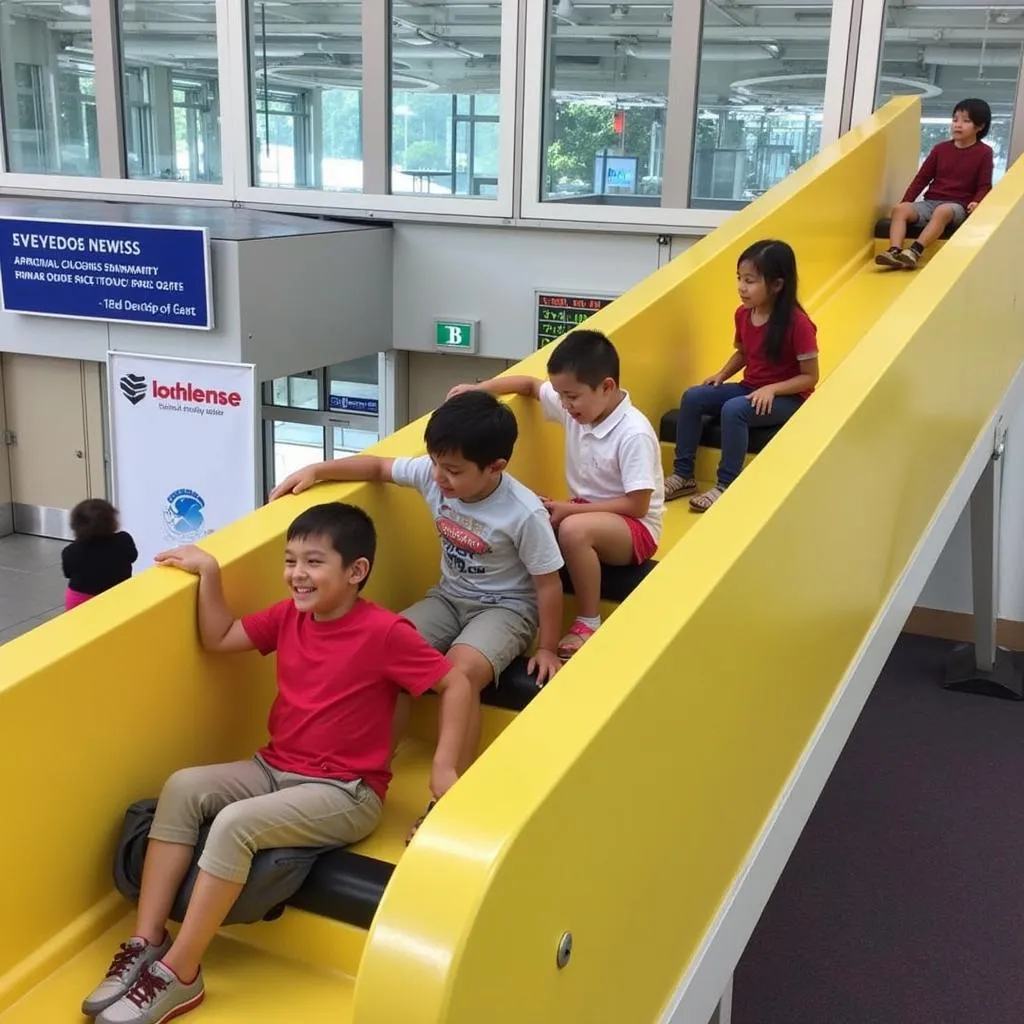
351,403
84,270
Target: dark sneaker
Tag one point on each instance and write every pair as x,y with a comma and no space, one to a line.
909,259
891,258
158,996
124,970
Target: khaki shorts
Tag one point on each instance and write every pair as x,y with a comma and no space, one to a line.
256,807
500,633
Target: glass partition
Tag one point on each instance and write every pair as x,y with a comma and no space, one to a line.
952,52
607,96
306,76
761,93
445,68
170,90
48,87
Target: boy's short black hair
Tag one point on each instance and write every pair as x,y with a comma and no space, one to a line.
588,355
349,529
93,519
474,425
978,111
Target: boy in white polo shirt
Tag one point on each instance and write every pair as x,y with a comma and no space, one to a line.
612,467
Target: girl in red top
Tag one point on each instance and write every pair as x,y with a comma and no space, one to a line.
776,347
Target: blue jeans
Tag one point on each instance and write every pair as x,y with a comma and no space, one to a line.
731,403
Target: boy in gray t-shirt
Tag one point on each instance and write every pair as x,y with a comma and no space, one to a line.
500,559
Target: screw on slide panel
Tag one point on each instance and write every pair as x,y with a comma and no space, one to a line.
564,951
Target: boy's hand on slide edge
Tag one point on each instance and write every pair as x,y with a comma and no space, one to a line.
189,558
295,483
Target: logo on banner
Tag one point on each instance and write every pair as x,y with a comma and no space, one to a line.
184,520
133,387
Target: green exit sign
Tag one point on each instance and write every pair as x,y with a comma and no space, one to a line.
456,335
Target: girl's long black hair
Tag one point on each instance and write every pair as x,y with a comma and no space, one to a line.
775,261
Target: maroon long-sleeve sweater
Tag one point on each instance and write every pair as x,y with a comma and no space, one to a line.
954,175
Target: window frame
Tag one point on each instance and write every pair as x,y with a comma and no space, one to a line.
684,71
868,66
522,100
376,146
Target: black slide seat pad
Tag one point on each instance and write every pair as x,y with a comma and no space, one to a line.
344,886
711,436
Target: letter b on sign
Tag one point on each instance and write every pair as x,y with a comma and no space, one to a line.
456,335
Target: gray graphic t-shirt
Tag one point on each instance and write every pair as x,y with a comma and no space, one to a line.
489,548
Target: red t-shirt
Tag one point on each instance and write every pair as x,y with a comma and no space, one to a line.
801,342
954,174
337,684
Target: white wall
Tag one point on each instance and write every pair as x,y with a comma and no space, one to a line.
315,299
491,274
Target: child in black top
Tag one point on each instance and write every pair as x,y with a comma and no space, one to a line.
100,556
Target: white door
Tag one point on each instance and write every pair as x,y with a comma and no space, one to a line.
54,439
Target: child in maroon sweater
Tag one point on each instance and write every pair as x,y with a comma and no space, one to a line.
958,174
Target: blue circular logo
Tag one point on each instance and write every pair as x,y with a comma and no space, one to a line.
183,516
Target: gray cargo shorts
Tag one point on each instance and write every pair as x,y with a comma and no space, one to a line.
925,210
500,632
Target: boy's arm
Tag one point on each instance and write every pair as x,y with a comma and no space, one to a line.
456,705
922,178
219,630
354,468
416,667
984,181
548,587
528,387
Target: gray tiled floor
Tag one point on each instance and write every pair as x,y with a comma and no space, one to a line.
31,583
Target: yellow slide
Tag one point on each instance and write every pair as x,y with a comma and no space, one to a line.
603,861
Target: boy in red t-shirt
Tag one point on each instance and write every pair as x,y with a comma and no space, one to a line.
958,174
321,778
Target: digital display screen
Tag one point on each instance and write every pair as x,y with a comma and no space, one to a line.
559,314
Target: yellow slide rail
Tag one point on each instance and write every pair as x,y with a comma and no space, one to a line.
622,804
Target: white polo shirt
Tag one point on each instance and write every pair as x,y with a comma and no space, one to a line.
612,458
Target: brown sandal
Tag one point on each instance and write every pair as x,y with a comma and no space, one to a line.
702,502
676,486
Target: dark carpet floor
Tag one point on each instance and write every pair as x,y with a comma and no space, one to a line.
903,902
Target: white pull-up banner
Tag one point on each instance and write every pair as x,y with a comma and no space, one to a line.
183,447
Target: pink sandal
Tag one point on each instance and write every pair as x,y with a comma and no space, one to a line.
579,633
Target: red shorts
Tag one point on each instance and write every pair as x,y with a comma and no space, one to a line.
644,545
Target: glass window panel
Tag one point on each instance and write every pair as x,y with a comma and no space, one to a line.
48,88
607,94
948,53
306,69
296,445
300,391
760,99
354,386
353,439
445,67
